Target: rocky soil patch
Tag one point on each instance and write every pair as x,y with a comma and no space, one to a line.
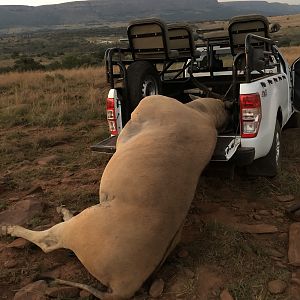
238,242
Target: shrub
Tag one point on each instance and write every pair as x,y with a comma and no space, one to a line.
70,62
27,64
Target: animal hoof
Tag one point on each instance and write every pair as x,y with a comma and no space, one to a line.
59,209
67,215
6,230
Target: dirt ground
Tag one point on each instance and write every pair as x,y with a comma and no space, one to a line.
236,235
219,248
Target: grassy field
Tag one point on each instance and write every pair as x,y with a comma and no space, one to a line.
288,35
51,99
45,113
63,97
67,47
291,53
290,28
48,120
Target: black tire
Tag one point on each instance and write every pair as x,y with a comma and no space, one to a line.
270,165
294,121
143,80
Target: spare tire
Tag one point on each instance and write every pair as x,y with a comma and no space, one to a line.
143,80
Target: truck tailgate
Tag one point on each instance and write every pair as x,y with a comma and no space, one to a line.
106,146
225,148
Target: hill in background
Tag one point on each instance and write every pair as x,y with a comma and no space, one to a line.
93,12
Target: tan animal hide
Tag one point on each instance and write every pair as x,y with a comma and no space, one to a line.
145,194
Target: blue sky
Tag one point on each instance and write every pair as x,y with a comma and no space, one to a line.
44,2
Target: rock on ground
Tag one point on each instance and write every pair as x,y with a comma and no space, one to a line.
19,243
9,264
2,187
208,280
35,190
286,198
62,292
264,212
157,288
225,295
257,217
85,294
47,160
273,252
189,273
183,253
276,287
294,289
22,212
177,287
33,291
294,244
257,228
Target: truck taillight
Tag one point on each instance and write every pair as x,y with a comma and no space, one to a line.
250,114
111,116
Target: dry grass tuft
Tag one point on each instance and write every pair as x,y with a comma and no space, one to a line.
291,53
286,22
52,98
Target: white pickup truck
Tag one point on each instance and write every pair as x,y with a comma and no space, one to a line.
240,64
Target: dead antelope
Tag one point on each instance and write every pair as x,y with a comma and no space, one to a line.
145,193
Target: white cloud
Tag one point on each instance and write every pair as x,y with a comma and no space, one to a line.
32,2
283,1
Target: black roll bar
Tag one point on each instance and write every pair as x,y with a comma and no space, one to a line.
110,63
248,47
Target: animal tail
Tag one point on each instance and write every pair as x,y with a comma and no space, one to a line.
90,289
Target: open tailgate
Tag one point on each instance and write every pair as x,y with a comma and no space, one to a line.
225,148
106,146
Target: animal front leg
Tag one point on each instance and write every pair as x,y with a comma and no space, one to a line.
47,240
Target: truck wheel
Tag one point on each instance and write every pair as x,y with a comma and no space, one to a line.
270,165
294,121
143,80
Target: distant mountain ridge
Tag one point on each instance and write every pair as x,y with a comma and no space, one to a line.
93,11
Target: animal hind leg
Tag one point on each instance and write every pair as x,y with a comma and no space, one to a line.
47,240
